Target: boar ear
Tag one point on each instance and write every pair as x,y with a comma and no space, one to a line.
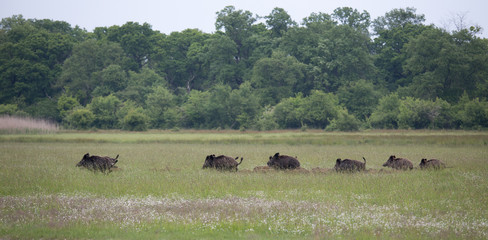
277,154
86,155
338,160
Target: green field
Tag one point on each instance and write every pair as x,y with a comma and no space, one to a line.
160,190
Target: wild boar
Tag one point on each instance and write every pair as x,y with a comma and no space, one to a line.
97,163
398,163
350,165
432,163
283,162
221,162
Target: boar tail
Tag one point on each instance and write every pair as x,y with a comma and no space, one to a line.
240,162
117,156
364,160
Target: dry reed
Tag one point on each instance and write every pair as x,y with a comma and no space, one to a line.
14,124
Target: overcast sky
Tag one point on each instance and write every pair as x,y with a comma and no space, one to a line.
167,16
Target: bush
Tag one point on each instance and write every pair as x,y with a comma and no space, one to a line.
315,111
8,109
288,112
66,104
359,97
135,121
319,108
105,111
418,114
80,118
344,122
158,103
266,121
386,113
474,114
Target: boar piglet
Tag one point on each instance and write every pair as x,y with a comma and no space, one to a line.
432,163
97,163
350,165
398,163
221,162
283,162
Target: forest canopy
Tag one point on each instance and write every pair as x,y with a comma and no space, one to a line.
334,71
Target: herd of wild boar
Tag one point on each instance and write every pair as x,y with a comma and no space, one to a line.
277,161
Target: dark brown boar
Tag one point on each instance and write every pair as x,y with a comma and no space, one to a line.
97,163
350,165
221,162
283,162
398,163
431,164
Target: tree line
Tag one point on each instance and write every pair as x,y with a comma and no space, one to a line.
334,71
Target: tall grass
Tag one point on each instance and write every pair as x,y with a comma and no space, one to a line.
23,125
160,190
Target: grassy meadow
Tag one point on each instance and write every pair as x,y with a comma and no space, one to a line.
160,191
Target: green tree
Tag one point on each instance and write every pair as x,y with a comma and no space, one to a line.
343,56
140,84
237,25
397,18
220,60
30,58
352,18
444,65
138,42
275,78
316,18
88,57
279,21
181,57
393,31
109,80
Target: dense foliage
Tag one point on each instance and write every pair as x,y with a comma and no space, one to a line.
339,71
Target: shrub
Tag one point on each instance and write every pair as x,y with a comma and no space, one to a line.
386,113
417,114
359,97
66,104
344,122
105,111
8,109
474,114
81,118
135,120
266,121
